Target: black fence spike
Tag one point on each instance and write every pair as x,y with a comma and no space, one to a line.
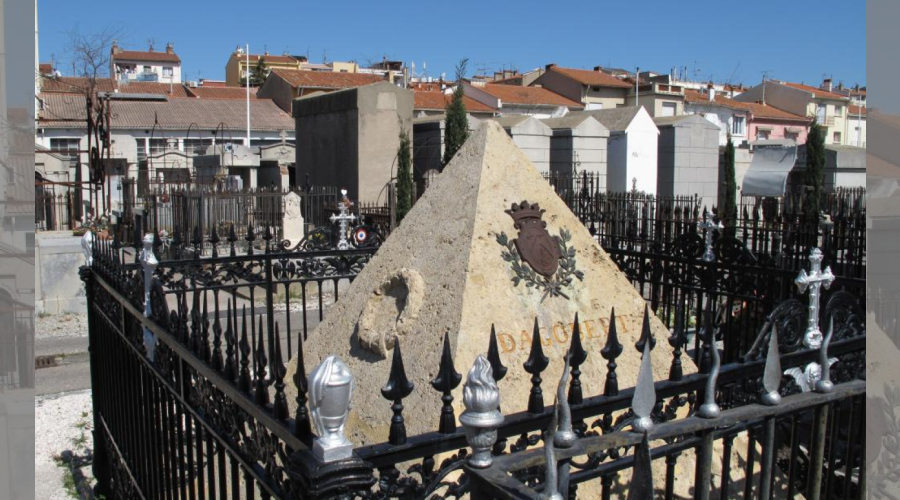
244,379
204,330
447,379
397,388
493,357
302,427
250,237
280,407
214,241
610,352
216,357
232,239
176,242
677,341
646,334
197,240
535,365
230,362
262,386
577,356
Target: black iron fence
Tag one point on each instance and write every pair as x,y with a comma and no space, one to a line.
809,445
183,216
54,212
189,388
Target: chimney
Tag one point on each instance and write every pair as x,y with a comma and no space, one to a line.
711,92
826,84
169,48
151,48
551,65
115,47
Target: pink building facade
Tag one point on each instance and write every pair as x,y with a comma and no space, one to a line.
768,123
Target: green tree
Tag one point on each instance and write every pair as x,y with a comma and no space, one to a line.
404,176
258,73
457,129
729,200
815,164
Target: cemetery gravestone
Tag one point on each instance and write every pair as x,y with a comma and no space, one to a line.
490,243
293,219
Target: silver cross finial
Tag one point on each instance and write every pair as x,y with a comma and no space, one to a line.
343,219
709,225
814,281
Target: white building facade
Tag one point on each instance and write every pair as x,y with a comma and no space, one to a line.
149,66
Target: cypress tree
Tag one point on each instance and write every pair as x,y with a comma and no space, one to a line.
259,73
404,176
457,129
729,202
815,165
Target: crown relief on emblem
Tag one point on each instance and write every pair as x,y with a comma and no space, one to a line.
539,260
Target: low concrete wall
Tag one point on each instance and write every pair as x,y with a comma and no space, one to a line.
58,288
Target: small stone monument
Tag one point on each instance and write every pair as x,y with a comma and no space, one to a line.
489,243
293,219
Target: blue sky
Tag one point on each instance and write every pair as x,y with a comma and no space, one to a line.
727,42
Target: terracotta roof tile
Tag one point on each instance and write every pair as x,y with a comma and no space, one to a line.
592,78
424,100
174,90
856,110
324,79
221,92
819,93
696,97
75,85
536,96
759,110
270,58
136,55
61,110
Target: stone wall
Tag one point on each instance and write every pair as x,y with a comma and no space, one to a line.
350,138
58,288
688,158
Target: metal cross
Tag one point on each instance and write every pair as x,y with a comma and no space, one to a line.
814,281
709,226
342,220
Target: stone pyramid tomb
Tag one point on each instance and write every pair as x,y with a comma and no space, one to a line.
490,243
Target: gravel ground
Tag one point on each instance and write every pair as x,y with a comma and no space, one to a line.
62,424
61,325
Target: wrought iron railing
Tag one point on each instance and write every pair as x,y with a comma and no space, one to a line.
190,392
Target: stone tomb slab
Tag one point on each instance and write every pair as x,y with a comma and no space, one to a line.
446,269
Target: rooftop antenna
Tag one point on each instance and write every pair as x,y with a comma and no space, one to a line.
765,76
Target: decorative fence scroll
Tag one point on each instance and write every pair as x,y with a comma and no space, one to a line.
207,415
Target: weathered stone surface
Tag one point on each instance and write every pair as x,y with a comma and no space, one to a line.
293,219
450,240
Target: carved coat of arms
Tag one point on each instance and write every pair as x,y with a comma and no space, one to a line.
535,245
539,259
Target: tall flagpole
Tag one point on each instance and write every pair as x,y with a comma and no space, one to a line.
247,81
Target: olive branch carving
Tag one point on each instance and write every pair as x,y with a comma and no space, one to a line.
553,286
